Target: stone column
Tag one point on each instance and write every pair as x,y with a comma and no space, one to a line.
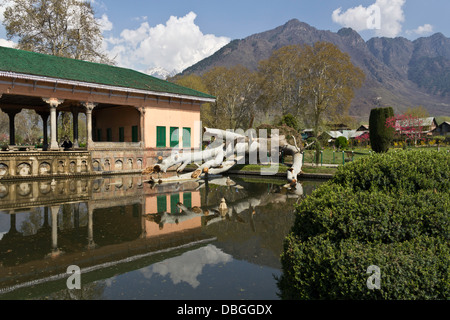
54,103
142,124
91,244
12,128
55,251
44,116
75,126
89,107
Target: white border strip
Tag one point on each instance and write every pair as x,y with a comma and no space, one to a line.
100,86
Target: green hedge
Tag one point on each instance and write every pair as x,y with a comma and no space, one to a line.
340,213
389,210
322,269
409,170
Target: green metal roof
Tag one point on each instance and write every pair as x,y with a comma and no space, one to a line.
37,64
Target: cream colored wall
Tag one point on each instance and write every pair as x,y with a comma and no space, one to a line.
172,115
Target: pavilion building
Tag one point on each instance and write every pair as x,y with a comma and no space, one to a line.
131,117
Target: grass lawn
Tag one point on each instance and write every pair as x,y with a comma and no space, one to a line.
329,156
283,168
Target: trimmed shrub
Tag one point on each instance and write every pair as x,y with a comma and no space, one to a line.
380,135
409,170
322,269
341,143
340,213
390,210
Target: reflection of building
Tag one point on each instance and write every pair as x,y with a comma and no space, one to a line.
115,224
131,118
85,222
167,202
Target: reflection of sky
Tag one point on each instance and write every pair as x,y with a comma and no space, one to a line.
206,273
188,266
4,222
30,221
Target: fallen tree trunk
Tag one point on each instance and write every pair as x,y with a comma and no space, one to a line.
228,149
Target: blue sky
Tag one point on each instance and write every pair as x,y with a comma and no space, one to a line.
174,34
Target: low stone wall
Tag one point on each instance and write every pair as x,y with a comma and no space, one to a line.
103,159
35,164
117,161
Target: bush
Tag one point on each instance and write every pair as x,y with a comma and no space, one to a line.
290,121
341,143
389,210
380,134
321,269
409,170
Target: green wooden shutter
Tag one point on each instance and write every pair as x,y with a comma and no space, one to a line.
109,134
174,137
99,134
186,137
174,199
161,204
187,199
134,134
160,137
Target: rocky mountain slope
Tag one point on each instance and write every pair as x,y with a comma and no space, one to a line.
399,72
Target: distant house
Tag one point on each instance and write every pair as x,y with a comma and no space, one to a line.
348,134
429,124
363,128
307,133
426,125
443,129
338,126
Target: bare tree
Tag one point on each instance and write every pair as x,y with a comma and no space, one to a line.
65,28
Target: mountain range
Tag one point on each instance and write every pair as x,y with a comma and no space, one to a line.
399,73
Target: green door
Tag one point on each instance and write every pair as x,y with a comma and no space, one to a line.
161,204
121,134
160,137
186,137
134,134
187,199
174,137
174,199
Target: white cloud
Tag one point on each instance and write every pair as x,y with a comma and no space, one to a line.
385,17
175,45
7,43
3,5
105,24
425,29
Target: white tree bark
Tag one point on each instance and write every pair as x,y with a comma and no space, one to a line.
228,149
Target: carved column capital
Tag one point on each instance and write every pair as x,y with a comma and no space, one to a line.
89,106
53,102
142,110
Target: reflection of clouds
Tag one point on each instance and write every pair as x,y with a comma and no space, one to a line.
188,266
109,282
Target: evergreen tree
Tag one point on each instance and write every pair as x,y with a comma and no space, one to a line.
380,134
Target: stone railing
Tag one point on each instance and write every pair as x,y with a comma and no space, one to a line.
114,145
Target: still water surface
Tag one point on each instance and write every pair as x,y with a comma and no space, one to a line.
134,240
